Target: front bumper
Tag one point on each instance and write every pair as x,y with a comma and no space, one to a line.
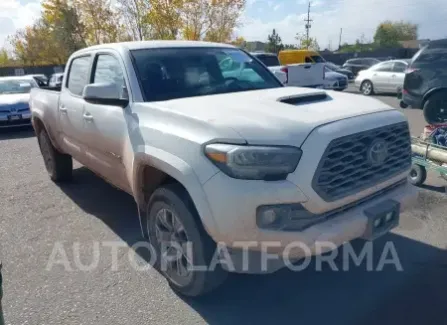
412,101
9,120
234,203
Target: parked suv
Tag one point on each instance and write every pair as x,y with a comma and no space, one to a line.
425,82
356,65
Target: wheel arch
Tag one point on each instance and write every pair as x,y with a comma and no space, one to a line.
430,93
39,125
154,168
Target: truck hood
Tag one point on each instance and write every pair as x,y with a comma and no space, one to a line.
10,99
260,117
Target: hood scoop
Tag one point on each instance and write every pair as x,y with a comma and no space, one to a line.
305,98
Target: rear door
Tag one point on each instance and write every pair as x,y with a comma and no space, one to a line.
306,75
381,76
104,126
71,105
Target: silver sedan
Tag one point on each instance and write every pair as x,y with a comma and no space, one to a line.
385,77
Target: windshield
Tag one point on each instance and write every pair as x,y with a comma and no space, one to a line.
317,59
16,86
170,73
331,66
269,60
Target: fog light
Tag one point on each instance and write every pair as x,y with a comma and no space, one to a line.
377,222
268,217
389,216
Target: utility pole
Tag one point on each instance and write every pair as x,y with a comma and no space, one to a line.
308,25
339,39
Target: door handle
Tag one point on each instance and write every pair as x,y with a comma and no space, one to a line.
63,109
394,76
374,74
88,117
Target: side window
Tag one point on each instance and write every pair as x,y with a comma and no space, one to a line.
308,60
78,75
399,67
108,70
385,67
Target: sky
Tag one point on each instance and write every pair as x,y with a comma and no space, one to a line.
354,17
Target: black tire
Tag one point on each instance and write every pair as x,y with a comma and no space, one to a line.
59,166
367,88
417,175
175,198
435,108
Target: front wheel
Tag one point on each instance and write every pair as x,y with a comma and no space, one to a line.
184,250
417,175
367,88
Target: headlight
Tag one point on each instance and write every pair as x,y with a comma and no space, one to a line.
254,162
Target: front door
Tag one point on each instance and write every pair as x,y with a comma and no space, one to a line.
71,106
105,127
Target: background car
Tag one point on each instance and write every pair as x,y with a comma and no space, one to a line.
358,64
334,80
14,101
41,79
336,68
386,77
56,80
425,82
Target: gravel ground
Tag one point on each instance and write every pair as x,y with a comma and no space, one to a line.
36,214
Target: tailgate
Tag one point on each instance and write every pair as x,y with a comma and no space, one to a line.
306,75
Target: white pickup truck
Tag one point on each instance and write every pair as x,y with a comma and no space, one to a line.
218,159
311,75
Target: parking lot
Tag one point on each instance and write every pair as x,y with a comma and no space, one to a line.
36,214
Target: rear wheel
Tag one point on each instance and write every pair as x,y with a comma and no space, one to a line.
367,88
435,108
180,242
58,165
417,175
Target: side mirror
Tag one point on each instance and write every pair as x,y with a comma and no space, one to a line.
106,94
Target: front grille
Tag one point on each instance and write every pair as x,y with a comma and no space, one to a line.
342,82
345,167
15,122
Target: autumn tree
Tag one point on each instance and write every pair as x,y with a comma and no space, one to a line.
310,43
239,42
165,18
4,58
100,21
388,33
63,21
211,20
134,16
274,42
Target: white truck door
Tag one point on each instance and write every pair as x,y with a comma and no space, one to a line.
105,127
71,105
306,75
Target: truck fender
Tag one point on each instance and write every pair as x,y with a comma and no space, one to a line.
177,169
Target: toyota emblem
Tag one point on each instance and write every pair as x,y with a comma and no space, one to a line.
378,152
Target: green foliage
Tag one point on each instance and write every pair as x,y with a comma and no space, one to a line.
274,44
304,43
388,33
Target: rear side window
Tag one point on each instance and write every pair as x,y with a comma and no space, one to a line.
428,55
399,67
269,60
317,59
78,76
